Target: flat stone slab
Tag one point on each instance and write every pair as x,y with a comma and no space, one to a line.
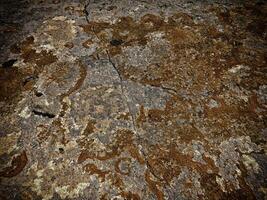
133,100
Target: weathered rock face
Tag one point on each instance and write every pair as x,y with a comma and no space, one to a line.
133,100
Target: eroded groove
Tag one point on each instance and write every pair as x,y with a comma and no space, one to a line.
43,114
85,11
132,118
122,90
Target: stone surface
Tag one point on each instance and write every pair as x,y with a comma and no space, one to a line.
133,99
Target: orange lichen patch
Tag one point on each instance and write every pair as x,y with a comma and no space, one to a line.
154,186
95,27
166,121
170,109
40,59
92,169
108,155
10,83
88,43
223,111
69,45
165,168
30,55
156,115
17,165
88,154
43,134
125,161
141,117
122,142
57,132
156,75
132,32
169,70
116,180
124,137
17,48
90,127
14,80
83,157
130,196
188,133
181,36
199,67
134,152
167,163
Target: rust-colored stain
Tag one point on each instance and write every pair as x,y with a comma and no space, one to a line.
141,117
69,45
88,43
17,165
127,161
25,48
154,186
90,127
201,109
92,169
130,196
123,141
10,83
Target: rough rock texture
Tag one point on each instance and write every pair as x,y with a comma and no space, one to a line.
122,99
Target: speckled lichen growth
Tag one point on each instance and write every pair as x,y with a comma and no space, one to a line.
133,100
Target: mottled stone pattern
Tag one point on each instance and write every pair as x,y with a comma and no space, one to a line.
122,99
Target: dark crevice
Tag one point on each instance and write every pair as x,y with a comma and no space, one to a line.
43,114
86,12
133,118
38,94
122,89
61,150
28,79
116,42
9,63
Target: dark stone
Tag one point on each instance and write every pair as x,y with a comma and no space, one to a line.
29,78
9,63
43,114
116,42
61,150
38,94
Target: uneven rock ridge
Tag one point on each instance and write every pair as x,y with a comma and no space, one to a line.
122,99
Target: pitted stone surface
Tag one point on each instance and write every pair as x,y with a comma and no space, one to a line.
133,99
